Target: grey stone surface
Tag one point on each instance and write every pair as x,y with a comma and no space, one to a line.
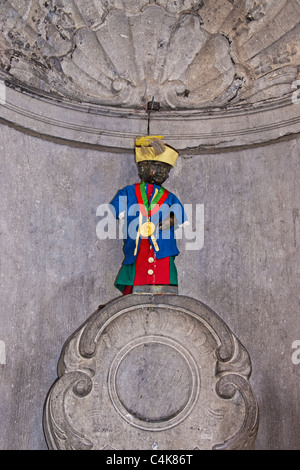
55,271
152,370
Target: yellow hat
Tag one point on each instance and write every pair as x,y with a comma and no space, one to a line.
153,148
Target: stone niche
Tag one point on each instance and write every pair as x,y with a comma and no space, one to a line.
149,371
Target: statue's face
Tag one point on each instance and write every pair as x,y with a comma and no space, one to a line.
153,172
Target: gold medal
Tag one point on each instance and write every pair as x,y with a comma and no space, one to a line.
147,229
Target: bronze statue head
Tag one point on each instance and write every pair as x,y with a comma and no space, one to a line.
153,172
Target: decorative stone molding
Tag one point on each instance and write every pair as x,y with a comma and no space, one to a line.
117,129
222,71
188,54
147,369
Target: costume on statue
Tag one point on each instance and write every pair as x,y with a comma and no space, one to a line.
149,252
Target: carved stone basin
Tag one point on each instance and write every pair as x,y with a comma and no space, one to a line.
151,370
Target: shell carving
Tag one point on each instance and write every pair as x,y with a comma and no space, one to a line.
187,54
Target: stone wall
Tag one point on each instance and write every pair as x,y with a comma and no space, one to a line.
55,271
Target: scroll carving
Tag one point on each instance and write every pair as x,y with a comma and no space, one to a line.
60,432
244,439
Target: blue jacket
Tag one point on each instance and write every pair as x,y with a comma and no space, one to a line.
125,205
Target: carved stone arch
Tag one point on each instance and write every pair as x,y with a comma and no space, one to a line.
225,73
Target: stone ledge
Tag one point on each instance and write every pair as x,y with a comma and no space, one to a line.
117,128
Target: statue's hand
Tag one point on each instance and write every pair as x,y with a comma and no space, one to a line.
167,223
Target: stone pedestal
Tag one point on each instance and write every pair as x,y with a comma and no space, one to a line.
150,371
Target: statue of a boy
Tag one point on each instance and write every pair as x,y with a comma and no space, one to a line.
151,214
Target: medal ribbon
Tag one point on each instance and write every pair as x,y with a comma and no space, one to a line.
147,209
157,201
